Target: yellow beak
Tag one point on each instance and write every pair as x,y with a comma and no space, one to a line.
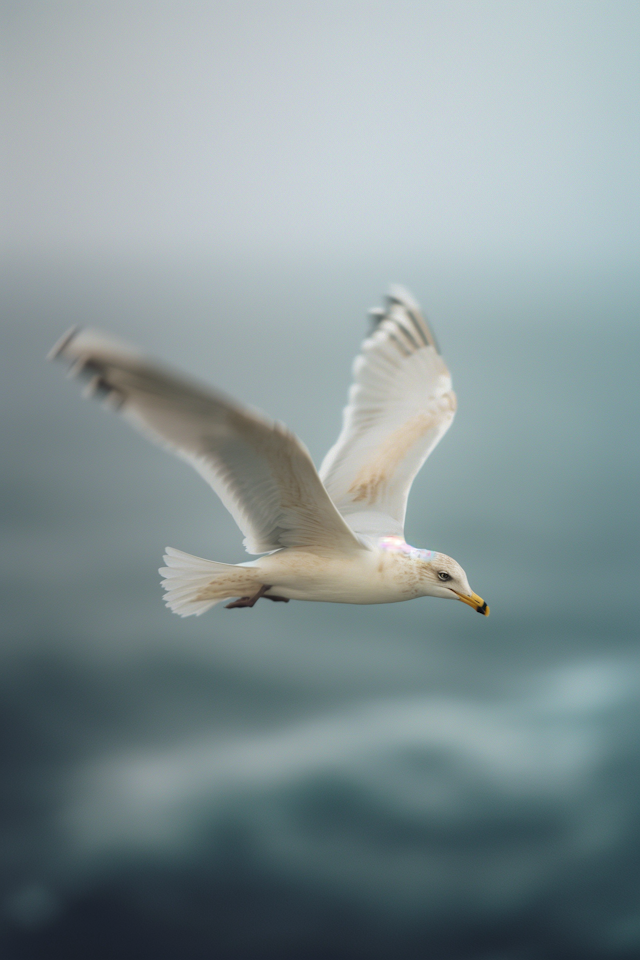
474,601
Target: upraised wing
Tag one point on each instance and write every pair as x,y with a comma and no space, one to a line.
262,473
400,405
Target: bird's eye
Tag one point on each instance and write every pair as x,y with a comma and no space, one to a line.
444,576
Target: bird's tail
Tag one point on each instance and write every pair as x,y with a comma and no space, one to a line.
193,585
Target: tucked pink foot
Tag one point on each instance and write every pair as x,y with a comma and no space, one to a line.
249,601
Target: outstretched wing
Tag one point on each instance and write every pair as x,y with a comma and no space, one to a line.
400,405
262,473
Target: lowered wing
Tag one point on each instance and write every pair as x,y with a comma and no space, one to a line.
262,473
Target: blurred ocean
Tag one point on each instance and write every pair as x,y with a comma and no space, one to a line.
314,780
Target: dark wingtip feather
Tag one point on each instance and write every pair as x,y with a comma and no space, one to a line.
64,341
376,316
399,296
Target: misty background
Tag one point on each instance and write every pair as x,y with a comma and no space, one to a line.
231,187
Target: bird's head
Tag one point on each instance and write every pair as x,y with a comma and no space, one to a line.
443,577
437,574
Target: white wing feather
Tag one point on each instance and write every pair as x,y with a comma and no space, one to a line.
262,473
400,405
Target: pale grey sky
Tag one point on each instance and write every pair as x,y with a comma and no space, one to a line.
470,128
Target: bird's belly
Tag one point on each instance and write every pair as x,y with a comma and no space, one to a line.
304,576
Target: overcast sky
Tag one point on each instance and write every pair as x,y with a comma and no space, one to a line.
496,128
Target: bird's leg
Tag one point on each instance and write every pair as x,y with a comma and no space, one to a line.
279,599
249,601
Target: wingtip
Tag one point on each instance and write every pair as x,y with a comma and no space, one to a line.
396,293
60,346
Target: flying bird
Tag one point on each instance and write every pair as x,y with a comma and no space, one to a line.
336,534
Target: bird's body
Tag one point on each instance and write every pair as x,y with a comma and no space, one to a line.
371,575
366,576
335,536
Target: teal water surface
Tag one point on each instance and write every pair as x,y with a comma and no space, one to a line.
306,780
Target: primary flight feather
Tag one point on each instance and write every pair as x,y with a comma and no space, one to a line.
336,535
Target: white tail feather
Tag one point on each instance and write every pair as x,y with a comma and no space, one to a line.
187,578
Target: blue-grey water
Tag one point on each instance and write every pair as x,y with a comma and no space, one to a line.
310,780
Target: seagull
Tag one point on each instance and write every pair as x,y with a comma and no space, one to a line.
333,535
